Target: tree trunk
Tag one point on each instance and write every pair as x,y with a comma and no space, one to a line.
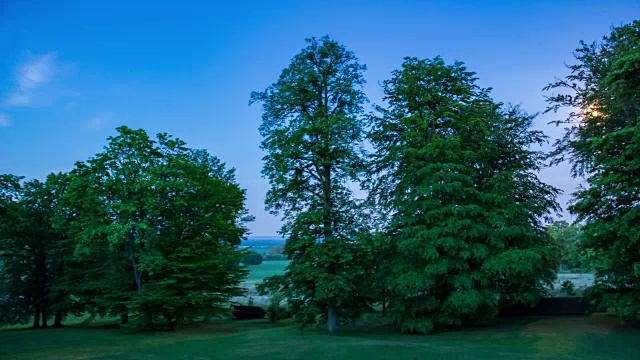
147,318
384,303
45,315
124,318
332,319
332,313
57,322
171,325
36,316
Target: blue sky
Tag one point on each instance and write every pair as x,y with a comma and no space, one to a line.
72,71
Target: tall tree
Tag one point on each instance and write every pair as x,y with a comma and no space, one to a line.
458,175
31,251
602,141
16,299
158,227
312,127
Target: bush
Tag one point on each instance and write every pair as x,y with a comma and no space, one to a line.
252,258
275,310
275,253
568,287
276,250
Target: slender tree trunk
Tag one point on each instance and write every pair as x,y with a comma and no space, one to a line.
37,296
42,285
57,322
147,318
332,312
170,324
332,319
60,295
45,315
124,318
36,315
384,303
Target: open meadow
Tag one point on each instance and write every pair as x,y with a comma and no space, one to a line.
266,269
600,336
597,337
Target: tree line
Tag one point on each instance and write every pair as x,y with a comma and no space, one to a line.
147,228
454,225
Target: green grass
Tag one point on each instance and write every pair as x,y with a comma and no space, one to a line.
267,268
597,337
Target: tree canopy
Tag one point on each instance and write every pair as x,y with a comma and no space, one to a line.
458,174
312,129
569,239
602,94
147,227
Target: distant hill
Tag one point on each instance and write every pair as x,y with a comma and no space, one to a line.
263,241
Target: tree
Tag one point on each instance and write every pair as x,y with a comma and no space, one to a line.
457,174
602,143
158,226
276,250
252,258
31,251
275,253
16,302
312,129
568,238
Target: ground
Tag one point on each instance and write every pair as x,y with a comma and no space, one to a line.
267,268
257,273
597,337
600,336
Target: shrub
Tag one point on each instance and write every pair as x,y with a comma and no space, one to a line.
275,253
568,287
252,258
275,310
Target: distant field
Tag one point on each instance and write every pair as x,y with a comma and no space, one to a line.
267,268
580,281
262,244
597,337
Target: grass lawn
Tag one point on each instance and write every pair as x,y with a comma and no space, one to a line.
596,337
267,268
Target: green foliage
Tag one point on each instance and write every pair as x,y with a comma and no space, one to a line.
32,251
156,230
312,129
275,310
252,258
275,253
457,173
602,141
569,287
568,237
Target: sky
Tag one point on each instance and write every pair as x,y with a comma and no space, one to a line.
72,71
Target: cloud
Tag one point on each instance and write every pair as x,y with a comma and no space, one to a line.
5,120
32,74
99,121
